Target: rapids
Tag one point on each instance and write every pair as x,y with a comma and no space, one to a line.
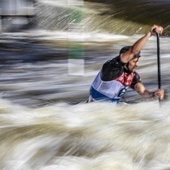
42,127
86,136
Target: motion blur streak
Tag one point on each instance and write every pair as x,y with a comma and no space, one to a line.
44,121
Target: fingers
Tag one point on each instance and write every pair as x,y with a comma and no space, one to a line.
159,93
156,28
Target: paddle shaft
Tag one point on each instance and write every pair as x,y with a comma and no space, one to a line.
158,61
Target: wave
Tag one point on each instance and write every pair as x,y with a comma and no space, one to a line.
94,136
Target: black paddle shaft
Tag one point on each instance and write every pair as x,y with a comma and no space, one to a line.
158,60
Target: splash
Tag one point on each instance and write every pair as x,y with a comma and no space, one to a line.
85,136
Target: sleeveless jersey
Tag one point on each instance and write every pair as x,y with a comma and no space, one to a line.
112,81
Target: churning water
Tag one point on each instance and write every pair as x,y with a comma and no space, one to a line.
93,136
42,128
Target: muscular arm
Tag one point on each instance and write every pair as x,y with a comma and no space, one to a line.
136,48
140,89
138,45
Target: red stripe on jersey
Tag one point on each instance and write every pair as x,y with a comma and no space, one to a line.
125,79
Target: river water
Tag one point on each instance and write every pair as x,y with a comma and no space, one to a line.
43,128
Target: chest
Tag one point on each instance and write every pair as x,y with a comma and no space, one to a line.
125,79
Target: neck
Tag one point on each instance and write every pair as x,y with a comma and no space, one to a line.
126,69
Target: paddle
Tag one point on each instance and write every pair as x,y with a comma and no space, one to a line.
158,60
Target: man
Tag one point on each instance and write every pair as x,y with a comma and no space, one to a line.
118,74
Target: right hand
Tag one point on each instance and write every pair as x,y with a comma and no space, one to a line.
159,94
158,29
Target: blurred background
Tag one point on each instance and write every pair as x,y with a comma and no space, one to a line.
51,49
108,16
50,52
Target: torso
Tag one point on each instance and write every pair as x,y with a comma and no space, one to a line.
113,80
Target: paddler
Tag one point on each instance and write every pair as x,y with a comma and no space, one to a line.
118,74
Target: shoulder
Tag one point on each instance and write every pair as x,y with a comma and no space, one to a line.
115,62
112,69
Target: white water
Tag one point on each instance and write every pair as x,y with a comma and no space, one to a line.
40,130
93,136
31,83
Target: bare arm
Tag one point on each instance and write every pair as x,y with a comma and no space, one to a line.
138,45
140,89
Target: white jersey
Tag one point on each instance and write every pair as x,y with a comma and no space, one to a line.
110,90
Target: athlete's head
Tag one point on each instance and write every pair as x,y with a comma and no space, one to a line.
133,63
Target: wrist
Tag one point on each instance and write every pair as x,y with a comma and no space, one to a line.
149,34
153,94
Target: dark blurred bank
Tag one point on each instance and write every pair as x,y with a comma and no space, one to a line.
112,16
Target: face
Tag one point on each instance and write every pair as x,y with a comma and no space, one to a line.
133,64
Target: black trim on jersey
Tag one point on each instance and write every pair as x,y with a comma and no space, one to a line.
112,69
136,79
